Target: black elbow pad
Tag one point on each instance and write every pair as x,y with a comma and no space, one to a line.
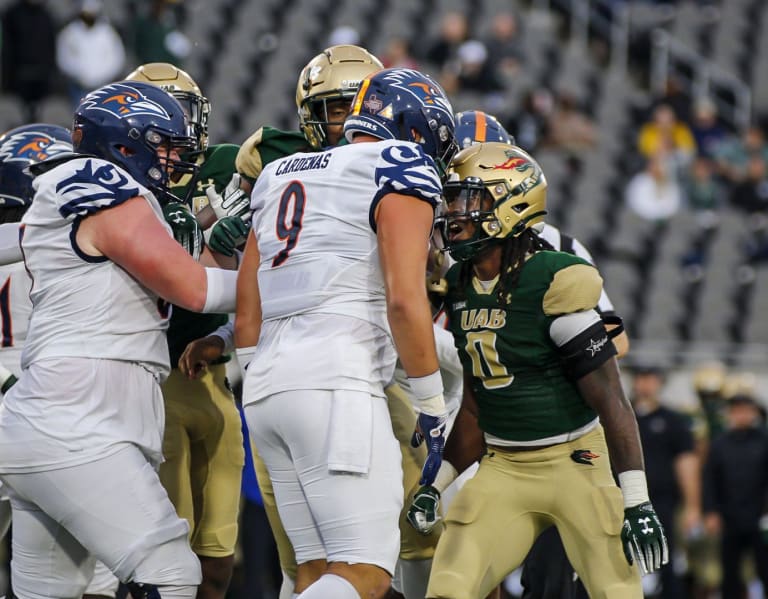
587,351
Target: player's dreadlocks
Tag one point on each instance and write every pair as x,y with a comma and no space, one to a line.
514,252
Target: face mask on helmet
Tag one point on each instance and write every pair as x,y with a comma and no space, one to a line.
407,105
326,87
137,126
181,86
494,191
19,149
476,126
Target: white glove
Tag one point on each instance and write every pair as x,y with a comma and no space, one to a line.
232,202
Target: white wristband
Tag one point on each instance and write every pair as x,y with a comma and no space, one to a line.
221,290
426,387
634,488
445,476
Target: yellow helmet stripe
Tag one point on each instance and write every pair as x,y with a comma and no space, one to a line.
360,95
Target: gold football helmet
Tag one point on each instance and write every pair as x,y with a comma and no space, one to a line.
182,87
494,191
332,76
709,377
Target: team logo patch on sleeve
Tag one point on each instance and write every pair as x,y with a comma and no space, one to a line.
94,187
123,101
31,146
408,168
584,456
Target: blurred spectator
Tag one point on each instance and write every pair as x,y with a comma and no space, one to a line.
453,32
471,71
398,53
344,35
570,128
736,493
654,193
665,131
708,382
529,125
751,193
505,47
734,154
675,96
28,54
156,37
706,128
703,191
671,465
89,51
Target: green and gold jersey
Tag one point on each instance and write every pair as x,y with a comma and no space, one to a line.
266,145
522,391
217,165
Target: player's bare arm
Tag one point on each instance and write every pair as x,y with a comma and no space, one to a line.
248,314
601,389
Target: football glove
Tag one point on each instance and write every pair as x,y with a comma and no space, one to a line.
643,538
424,511
227,234
186,229
233,201
431,428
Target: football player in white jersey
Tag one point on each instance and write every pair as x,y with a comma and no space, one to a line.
88,405
331,287
20,148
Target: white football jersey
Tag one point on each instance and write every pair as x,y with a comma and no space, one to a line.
85,306
314,221
15,308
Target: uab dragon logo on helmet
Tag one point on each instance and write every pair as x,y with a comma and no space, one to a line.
498,189
22,147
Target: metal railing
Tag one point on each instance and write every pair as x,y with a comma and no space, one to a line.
699,77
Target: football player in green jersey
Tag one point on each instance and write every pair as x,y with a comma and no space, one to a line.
203,442
543,400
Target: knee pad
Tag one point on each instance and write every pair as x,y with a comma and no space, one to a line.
143,591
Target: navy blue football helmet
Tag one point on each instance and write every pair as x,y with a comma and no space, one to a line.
22,147
407,105
476,126
129,123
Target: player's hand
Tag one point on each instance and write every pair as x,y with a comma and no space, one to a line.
233,201
199,354
424,511
186,229
227,234
431,428
643,538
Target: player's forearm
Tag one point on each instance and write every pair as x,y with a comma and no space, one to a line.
602,390
10,250
411,323
248,311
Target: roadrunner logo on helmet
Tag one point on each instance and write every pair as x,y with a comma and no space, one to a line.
135,125
407,105
19,149
33,144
